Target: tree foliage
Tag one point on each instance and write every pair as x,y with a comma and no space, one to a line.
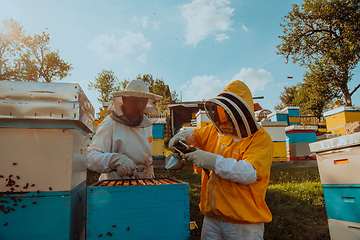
106,82
158,86
324,32
314,95
28,58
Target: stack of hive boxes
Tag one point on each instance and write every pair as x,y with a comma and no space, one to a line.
338,117
138,209
339,164
298,138
158,141
278,116
202,119
44,133
277,134
289,114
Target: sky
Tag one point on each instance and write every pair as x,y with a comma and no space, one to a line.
197,47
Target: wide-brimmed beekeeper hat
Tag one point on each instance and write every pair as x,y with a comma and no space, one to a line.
137,88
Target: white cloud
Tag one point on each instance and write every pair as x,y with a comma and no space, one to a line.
144,20
256,80
134,19
156,25
221,37
110,48
142,58
202,87
205,17
245,28
206,87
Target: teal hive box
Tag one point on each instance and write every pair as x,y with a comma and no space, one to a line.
48,215
158,131
342,202
138,209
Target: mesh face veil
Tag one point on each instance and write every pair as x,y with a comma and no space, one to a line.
231,115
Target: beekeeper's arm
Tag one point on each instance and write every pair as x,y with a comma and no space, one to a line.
257,156
101,160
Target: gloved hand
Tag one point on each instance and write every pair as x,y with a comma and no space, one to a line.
183,136
202,159
123,165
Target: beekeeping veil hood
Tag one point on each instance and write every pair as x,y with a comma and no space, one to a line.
232,111
135,88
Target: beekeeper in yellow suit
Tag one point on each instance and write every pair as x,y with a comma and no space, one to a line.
236,153
122,145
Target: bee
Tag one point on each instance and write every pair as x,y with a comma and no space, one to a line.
5,224
10,175
128,229
19,199
17,177
50,188
15,204
114,226
1,176
33,185
100,235
14,163
23,206
108,233
38,191
34,203
16,185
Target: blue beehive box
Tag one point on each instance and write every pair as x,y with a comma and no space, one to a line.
158,131
342,202
138,209
278,116
44,215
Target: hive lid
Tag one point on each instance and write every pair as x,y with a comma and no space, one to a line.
42,100
335,143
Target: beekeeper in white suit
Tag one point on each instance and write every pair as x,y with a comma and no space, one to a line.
122,145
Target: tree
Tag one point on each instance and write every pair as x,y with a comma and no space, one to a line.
11,33
158,86
28,58
39,62
324,32
314,94
106,82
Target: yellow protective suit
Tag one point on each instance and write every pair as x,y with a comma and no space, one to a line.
226,200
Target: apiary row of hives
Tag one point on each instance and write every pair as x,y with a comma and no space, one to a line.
44,133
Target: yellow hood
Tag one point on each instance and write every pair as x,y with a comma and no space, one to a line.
241,89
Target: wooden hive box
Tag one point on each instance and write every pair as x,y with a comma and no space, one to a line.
46,101
138,209
55,215
338,117
276,131
47,158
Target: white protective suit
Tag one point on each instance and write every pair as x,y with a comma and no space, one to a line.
115,137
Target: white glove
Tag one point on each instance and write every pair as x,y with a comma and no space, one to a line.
202,159
186,136
123,165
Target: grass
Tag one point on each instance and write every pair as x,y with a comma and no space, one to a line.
294,196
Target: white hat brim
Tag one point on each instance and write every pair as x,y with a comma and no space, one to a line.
136,94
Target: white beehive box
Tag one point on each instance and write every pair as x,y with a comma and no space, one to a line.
46,101
52,159
343,230
338,159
